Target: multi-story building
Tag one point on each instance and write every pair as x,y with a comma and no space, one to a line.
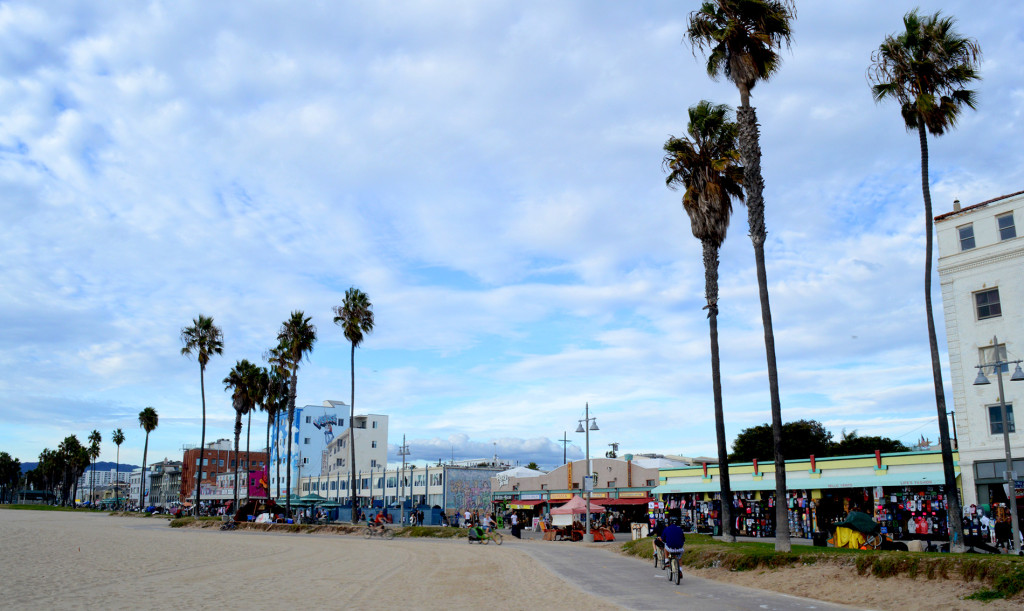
136,479
219,457
314,427
981,260
165,483
90,484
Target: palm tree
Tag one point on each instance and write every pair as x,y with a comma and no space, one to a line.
118,438
94,452
204,339
355,317
707,165
295,340
258,392
926,69
742,39
148,419
275,403
241,381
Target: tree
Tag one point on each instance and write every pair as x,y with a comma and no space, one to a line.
852,444
275,403
118,438
926,69
799,438
260,382
295,340
533,465
355,317
203,339
742,39
707,165
148,420
242,381
94,452
10,472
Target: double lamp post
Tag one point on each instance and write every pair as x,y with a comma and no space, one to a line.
586,425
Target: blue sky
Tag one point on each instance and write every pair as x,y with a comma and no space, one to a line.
490,175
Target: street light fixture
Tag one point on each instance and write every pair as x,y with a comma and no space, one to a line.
403,452
591,425
1008,474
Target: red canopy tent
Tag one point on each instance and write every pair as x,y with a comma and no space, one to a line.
578,505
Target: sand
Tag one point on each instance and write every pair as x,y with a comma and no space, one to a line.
93,561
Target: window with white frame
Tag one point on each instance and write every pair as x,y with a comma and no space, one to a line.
309,419
373,444
373,463
986,303
995,420
966,233
306,440
1006,227
374,424
990,354
338,462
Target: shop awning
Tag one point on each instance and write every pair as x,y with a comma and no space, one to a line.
612,502
525,504
920,478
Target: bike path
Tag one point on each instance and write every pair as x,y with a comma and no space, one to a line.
633,584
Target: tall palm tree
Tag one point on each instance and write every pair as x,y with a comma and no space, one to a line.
295,340
148,420
706,164
258,392
118,438
275,403
926,69
240,381
742,39
355,317
94,452
204,339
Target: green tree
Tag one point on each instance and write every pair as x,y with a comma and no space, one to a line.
355,317
742,40
242,381
852,444
295,340
10,472
202,339
258,392
148,420
799,438
275,403
94,452
927,68
118,438
706,164
533,465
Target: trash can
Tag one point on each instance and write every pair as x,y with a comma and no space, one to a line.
819,539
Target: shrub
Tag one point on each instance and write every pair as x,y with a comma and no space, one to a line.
179,522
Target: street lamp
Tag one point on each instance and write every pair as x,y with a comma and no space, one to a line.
1008,474
403,452
591,425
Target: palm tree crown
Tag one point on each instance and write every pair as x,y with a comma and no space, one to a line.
741,38
925,69
203,339
354,316
707,165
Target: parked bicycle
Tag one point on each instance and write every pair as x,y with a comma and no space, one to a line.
378,531
229,525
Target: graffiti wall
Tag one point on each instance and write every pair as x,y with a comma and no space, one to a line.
259,482
468,489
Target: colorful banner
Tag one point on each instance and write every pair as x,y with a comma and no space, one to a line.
259,483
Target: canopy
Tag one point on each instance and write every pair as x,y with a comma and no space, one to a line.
530,504
312,498
577,505
609,502
860,522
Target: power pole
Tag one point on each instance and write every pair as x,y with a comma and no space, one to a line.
565,444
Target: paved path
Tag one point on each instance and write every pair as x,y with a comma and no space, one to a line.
634,584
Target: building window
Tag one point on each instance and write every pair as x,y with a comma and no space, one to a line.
966,237
305,461
373,463
996,422
1006,228
338,462
373,444
374,424
309,419
221,463
991,354
987,303
306,440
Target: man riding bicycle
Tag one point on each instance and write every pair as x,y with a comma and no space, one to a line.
672,540
378,522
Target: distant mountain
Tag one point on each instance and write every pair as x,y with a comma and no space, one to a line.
101,465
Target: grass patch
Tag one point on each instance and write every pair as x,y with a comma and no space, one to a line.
179,522
30,507
432,532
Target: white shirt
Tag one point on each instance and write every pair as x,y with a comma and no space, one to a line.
515,519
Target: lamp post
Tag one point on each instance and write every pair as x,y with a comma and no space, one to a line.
403,452
586,425
1008,474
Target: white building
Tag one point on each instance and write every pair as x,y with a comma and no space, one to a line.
981,268
314,427
135,479
90,485
335,471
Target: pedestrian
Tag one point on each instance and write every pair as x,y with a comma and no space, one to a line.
467,519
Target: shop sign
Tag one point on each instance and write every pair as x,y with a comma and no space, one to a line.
561,495
530,497
632,495
599,495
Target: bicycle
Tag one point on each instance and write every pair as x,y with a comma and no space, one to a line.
487,536
674,572
378,531
231,525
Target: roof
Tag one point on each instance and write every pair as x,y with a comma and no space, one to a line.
947,215
521,472
659,463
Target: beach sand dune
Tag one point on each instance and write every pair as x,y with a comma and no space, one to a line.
88,561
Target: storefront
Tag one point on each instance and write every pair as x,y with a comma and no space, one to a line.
904,493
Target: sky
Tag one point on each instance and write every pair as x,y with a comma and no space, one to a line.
489,174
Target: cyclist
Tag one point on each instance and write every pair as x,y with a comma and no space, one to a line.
378,522
659,545
673,539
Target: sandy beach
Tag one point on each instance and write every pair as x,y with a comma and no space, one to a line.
94,561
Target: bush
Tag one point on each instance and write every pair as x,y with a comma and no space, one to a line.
1010,583
179,522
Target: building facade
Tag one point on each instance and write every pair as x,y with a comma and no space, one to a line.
165,483
614,479
981,259
314,427
219,457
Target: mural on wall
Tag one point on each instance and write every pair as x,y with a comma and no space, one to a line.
326,423
259,484
468,489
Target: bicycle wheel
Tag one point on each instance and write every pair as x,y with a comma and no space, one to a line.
671,567
497,538
676,570
388,534
368,532
655,554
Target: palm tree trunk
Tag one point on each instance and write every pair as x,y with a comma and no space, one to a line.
117,478
954,511
351,428
291,419
753,185
711,293
248,463
202,440
238,434
266,463
142,486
